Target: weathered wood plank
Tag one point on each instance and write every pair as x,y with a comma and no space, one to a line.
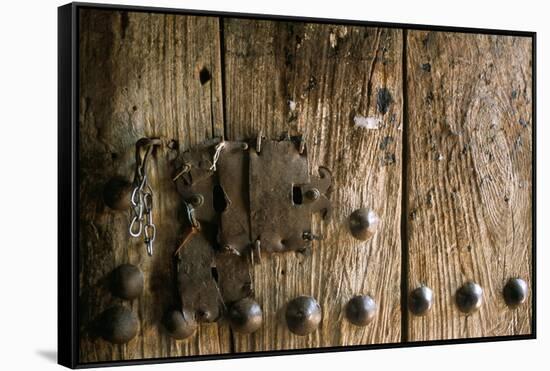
314,79
140,76
469,177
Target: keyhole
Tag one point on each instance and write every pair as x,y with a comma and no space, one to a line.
297,197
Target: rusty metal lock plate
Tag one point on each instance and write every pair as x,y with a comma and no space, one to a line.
283,197
247,201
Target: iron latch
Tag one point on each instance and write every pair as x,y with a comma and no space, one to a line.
241,200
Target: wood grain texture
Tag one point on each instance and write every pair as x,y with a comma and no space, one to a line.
314,79
468,158
469,177
140,76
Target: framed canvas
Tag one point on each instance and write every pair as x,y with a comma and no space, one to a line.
235,185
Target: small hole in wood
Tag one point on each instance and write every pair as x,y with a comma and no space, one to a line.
204,75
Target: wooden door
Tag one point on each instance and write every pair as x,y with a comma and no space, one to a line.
429,130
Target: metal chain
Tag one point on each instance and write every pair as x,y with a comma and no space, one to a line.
142,202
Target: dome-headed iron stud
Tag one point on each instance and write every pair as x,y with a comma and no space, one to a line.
303,315
118,325
245,316
363,223
421,300
361,310
515,292
469,297
116,193
180,324
127,281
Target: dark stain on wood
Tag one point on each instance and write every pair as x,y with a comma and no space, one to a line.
383,100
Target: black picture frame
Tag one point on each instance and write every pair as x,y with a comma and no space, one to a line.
68,181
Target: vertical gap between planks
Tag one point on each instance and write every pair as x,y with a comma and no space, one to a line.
404,199
224,115
222,66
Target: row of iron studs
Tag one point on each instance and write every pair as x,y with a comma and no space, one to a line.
303,314
468,298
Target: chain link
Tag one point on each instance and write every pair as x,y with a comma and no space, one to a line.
142,203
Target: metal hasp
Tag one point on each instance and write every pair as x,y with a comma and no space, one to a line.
242,200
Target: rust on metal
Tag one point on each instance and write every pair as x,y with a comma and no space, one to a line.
232,169
279,179
197,286
239,201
